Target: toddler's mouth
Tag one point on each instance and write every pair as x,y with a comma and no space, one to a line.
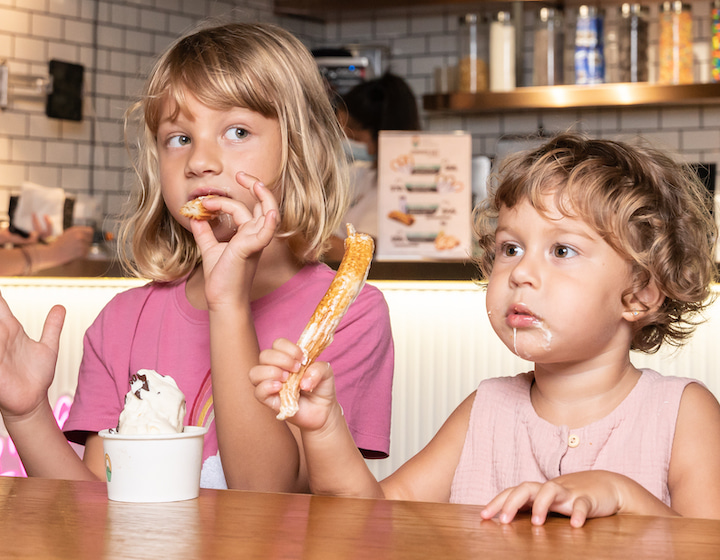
519,316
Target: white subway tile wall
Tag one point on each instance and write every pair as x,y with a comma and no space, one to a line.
117,41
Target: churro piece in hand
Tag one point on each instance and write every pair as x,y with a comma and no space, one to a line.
318,333
195,210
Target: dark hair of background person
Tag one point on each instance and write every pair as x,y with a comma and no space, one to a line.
385,103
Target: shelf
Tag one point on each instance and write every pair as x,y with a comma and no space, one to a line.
328,10
570,97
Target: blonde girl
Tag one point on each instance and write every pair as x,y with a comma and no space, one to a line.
237,111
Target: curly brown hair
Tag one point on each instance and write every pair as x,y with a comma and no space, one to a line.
649,208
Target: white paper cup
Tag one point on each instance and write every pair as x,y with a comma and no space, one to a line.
153,467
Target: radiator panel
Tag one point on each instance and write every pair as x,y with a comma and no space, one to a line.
443,342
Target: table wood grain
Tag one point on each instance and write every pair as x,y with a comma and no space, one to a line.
58,519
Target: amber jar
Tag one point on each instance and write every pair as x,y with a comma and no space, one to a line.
676,44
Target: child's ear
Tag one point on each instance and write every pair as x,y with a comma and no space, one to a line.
647,300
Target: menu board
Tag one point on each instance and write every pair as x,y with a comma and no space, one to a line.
424,196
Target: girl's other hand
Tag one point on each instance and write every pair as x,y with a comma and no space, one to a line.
317,395
580,496
26,366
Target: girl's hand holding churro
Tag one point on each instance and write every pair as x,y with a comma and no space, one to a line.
317,396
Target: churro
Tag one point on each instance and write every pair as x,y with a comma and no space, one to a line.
318,334
195,210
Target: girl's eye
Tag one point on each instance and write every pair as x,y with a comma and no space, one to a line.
563,252
177,141
510,250
236,133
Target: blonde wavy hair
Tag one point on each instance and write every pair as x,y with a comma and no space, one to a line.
263,68
649,208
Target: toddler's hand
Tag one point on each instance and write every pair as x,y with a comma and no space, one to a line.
26,366
580,496
317,396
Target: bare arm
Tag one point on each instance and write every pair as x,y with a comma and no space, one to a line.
26,372
16,262
694,473
428,475
74,243
257,451
335,466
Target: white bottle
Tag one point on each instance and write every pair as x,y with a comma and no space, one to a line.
502,53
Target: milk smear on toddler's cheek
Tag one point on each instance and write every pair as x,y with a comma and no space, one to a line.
546,341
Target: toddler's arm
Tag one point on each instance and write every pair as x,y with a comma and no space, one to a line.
26,372
694,472
335,465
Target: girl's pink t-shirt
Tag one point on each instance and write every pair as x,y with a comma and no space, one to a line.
507,443
155,327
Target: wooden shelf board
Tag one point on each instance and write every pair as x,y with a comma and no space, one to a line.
573,96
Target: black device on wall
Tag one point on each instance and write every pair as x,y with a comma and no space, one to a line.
66,87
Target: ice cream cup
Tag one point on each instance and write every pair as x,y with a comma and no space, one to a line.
153,467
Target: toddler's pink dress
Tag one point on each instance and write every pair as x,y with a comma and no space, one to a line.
508,443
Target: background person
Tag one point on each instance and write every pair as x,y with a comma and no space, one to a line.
220,115
385,103
38,252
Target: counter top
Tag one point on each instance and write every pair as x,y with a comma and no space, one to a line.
85,268
43,518
379,270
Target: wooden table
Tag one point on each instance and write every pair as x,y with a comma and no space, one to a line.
46,519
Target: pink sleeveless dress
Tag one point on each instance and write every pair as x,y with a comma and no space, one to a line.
508,443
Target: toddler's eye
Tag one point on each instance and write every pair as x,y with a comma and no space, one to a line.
563,252
177,141
236,133
510,250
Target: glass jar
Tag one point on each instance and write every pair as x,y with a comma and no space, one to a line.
472,55
589,55
633,43
548,46
502,53
676,44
